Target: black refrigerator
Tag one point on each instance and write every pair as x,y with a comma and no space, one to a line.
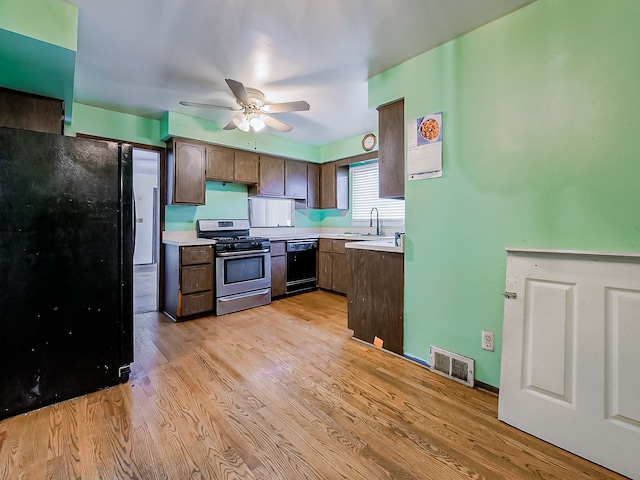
66,267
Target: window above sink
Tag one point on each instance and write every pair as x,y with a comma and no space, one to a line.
364,197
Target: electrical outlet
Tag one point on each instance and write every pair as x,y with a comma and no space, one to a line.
487,341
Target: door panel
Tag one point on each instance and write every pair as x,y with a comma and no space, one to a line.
570,353
549,336
623,356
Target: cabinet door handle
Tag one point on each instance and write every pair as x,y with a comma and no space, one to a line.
510,295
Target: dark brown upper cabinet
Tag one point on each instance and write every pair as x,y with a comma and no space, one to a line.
334,186
271,177
220,163
313,185
391,149
295,179
31,112
229,165
186,181
246,167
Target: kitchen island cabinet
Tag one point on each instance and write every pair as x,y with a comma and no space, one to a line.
188,280
375,297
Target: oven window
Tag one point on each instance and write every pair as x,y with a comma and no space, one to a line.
243,269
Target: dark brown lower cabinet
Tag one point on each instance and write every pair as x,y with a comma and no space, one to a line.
188,280
333,271
278,269
375,297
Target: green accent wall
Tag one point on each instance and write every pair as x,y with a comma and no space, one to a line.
38,48
227,200
540,151
110,124
348,147
178,125
50,21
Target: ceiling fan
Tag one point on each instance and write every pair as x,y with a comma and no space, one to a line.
253,111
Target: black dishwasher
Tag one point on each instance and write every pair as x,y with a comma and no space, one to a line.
301,265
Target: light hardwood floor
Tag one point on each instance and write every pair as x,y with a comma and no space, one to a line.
276,392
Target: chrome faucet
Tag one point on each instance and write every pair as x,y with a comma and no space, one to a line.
377,220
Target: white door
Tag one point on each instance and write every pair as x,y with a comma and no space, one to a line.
571,353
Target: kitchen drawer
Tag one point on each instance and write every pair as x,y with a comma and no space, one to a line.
325,245
278,249
196,255
196,303
332,246
196,278
337,246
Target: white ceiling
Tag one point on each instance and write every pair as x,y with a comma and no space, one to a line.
144,56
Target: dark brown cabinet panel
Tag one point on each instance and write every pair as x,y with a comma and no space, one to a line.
339,273
313,185
328,185
376,297
334,186
295,179
271,180
31,112
188,272
391,150
246,167
186,180
196,255
220,163
197,303
333,271
324,263
196,278
278,269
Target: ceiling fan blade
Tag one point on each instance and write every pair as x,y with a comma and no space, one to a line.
208,105
238,90
299,106
230,126
275,123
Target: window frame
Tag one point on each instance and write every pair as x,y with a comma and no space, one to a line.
361,214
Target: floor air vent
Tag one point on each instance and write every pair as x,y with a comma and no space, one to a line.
452,365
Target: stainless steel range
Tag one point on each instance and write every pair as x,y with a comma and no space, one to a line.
242,270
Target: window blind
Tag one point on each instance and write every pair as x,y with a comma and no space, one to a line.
364,196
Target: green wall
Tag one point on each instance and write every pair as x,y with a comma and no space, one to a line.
38,48
179,125
50,21
540,151
109,124
227,200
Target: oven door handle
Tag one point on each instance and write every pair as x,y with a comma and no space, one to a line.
238,296
245,254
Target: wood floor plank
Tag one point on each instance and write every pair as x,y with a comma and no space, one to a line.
276,392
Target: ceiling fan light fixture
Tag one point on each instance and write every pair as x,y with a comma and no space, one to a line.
241,122
256,122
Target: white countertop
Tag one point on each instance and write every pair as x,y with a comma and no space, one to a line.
187,238
188,242
377,245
